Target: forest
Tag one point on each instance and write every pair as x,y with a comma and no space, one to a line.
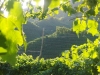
35,41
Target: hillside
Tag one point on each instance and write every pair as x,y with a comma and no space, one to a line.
51,23
34,29
53,44
56,43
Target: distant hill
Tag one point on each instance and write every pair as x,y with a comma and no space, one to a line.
32,31
51,23
53,44
56,43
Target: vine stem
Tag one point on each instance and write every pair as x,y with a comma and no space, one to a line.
42,44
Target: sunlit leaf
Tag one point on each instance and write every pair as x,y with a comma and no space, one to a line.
17,37
11,30
94,55
93,27
75,56
79,25
55,10
54,3
16,15
11,53
98,68
83,25
9,5
90,12
96,42
96,10
2,50
85,54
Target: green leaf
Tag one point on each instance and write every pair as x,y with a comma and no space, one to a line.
98,0
92,27
79,25
83,25
16,15
93,31
98,68
2,50
96,10
90,12
9,5
70,10
94,55
2,41
96,42
11,53
9,39
54,3
17,37
7,26
85,54
55,10
76,26
11,30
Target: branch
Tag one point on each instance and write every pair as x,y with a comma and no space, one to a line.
41,44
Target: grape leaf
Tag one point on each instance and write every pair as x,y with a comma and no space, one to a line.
10,4
98,68
2,41
85,54
16,15
10,56
92,27
11,28
2,50
54,3
90,12
79,25
96,10
95,55
12,39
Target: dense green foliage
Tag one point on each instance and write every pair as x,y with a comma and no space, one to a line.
75,61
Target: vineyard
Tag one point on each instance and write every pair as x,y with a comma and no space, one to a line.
54,44
80,59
